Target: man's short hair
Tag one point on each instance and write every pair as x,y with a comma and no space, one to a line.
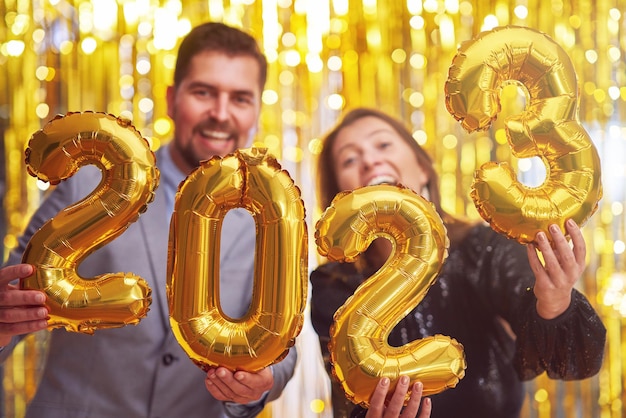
215,36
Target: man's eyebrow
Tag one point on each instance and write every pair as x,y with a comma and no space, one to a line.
195,84
201,84
244,93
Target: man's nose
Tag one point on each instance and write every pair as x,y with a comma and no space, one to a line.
219,111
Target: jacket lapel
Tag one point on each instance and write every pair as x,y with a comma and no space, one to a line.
155,233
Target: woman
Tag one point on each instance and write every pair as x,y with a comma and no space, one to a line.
515,316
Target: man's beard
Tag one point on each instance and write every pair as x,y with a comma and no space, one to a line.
190,157
193,157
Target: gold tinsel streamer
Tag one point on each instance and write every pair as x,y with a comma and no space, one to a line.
325,56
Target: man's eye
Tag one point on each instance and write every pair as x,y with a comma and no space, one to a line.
243,99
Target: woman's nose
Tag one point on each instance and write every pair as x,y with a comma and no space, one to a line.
371,158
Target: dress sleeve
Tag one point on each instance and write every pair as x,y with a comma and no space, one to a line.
568,347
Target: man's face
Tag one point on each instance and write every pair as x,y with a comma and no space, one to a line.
215,108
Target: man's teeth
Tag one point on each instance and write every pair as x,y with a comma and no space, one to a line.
382,180
216,134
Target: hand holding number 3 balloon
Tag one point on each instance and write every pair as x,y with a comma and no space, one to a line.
129,180
360,354
549,128
253,180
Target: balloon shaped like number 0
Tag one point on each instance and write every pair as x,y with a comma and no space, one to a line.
360,354
130,178
253,180
549,128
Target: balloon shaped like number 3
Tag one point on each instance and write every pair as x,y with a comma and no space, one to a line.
360,354
549,128
130,178
253,180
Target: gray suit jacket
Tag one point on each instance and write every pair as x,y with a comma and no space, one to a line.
138,370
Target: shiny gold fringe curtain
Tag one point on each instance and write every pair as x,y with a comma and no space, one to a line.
325,56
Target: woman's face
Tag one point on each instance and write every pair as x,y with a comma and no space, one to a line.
369,151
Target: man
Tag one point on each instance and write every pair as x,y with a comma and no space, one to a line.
141,371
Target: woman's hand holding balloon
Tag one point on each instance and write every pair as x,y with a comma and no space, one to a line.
395,406
562,266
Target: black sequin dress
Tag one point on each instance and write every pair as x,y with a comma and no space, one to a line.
485,280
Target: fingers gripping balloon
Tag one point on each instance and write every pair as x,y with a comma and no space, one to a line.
549,128
360,354
253,180
130,178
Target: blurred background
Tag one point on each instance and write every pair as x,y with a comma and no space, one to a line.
325,56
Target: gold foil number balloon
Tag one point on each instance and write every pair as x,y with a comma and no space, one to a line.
360,353
548,128
130,177
253,180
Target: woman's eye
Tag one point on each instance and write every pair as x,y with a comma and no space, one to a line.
348,161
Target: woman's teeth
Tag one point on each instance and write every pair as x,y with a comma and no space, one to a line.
382,180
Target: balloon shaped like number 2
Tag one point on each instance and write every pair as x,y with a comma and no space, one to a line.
549,128
130,178
253,180
360,354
